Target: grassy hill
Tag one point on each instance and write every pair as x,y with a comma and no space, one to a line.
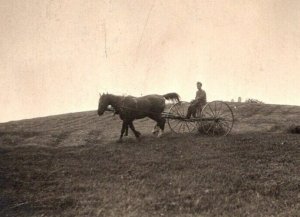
70,165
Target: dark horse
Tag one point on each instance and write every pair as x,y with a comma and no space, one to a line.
131,108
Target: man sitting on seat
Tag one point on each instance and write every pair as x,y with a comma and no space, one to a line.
198,102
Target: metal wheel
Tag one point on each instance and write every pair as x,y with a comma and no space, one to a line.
176,118
217,119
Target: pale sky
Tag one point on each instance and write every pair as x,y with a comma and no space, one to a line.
57,55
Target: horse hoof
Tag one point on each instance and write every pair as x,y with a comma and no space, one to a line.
160,134
154,132
119,141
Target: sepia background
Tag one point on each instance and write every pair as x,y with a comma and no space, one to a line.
57,55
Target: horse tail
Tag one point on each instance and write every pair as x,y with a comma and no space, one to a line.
172,96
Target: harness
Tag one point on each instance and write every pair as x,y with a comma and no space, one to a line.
123,108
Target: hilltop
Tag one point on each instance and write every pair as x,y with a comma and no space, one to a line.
71,165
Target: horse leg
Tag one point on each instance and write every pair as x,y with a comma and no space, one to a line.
155,129
160,126
136,133
126,131
161,123
124,126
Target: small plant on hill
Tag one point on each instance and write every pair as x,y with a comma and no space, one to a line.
254,101
294,129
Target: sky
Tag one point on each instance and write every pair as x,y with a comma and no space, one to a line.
57,55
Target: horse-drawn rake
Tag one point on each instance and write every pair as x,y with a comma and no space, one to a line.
215,119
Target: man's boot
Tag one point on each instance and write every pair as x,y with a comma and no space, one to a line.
189,113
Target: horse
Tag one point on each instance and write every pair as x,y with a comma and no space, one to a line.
130,108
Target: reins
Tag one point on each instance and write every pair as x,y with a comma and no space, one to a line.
131,109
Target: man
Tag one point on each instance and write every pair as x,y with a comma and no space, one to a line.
198,102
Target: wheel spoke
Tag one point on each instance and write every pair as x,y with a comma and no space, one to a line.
214,129
220,110
179,127
226,115
215,107
221,129
191,124
224,126
209,127
211,110
178,122
177,110
206,113
224,123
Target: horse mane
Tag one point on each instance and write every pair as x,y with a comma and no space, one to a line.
172,96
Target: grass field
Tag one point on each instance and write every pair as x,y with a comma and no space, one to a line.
71,165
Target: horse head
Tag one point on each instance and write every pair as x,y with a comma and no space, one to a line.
103,103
